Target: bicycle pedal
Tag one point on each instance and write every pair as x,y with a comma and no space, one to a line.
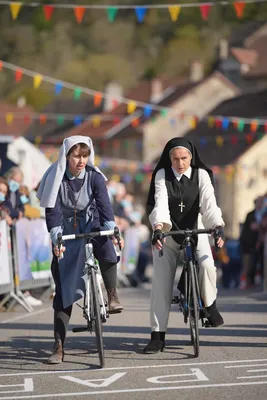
80,329
206,324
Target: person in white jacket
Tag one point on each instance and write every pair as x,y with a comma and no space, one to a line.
181,196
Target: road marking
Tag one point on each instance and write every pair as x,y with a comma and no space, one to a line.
26,316
153,389
27,387
245,366
92,382
196,372
256,370
135,367
252,377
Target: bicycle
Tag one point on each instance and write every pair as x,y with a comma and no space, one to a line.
94,307
190,302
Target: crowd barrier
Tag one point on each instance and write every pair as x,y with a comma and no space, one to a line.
25,260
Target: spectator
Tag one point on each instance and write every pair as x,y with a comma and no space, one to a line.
14,177
5,204
30,211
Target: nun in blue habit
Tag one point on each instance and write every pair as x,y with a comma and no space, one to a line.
74,195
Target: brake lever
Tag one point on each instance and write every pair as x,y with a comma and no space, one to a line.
60,244
117,236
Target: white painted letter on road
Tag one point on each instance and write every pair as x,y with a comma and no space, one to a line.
93,382
196,373
27,386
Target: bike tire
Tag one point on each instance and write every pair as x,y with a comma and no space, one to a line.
193,310
97,323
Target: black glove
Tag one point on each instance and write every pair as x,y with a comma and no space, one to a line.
157,235
218,234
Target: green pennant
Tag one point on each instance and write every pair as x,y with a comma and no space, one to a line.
241,125
77,93
112,12
139,177
60,120
164,112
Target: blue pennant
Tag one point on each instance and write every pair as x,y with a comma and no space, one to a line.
147,111
78,120
225,123
58,87
140,13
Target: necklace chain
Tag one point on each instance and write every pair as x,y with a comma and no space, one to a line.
74,202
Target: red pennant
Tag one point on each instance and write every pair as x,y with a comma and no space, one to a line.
18,75
48,12
135,122
234,139
115,103
249,138
265,127
27,119
205,10
1,65
239,8
79,14
43,119
218,123
116,121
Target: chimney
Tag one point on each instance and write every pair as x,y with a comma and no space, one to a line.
196,71
223,49
156,90
114,91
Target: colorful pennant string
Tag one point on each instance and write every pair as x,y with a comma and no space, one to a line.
140,11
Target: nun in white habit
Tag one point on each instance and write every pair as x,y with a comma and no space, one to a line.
181,196
74,194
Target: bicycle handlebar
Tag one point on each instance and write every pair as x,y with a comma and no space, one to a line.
88,235
191,232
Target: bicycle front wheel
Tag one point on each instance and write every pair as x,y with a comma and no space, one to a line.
97,323
193,309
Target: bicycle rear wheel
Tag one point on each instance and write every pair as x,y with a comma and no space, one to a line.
97,323
193,309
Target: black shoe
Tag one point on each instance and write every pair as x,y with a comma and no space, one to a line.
156,344
215,319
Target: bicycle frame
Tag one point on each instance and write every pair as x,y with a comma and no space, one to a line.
89,264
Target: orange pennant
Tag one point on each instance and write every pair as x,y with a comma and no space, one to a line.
1,65
239,8
79,14
254,126
18,75
135,122
43,119
97,99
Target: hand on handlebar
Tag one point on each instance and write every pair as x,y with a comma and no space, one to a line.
158,239
57,252
218,237
118,242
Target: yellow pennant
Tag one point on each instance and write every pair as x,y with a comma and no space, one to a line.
211,121
9,118
193,123
15,9
96,121
37,80
174,12
219,141
131,107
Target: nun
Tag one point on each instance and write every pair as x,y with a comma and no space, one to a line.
74,194
181,196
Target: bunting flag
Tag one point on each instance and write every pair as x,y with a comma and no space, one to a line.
9,118
112,12
140,11
97,99
37,80
18,75
77,93
205,10
174,12
96,121
131,107
79,14
140,14
15,9
239,8
48,12
58,88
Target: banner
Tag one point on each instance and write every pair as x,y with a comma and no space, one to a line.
130,252
34,249
4,252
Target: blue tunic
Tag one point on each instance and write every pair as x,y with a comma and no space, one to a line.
94,211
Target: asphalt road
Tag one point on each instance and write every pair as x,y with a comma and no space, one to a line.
232,362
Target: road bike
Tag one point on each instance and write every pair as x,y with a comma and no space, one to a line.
190,302
95,310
